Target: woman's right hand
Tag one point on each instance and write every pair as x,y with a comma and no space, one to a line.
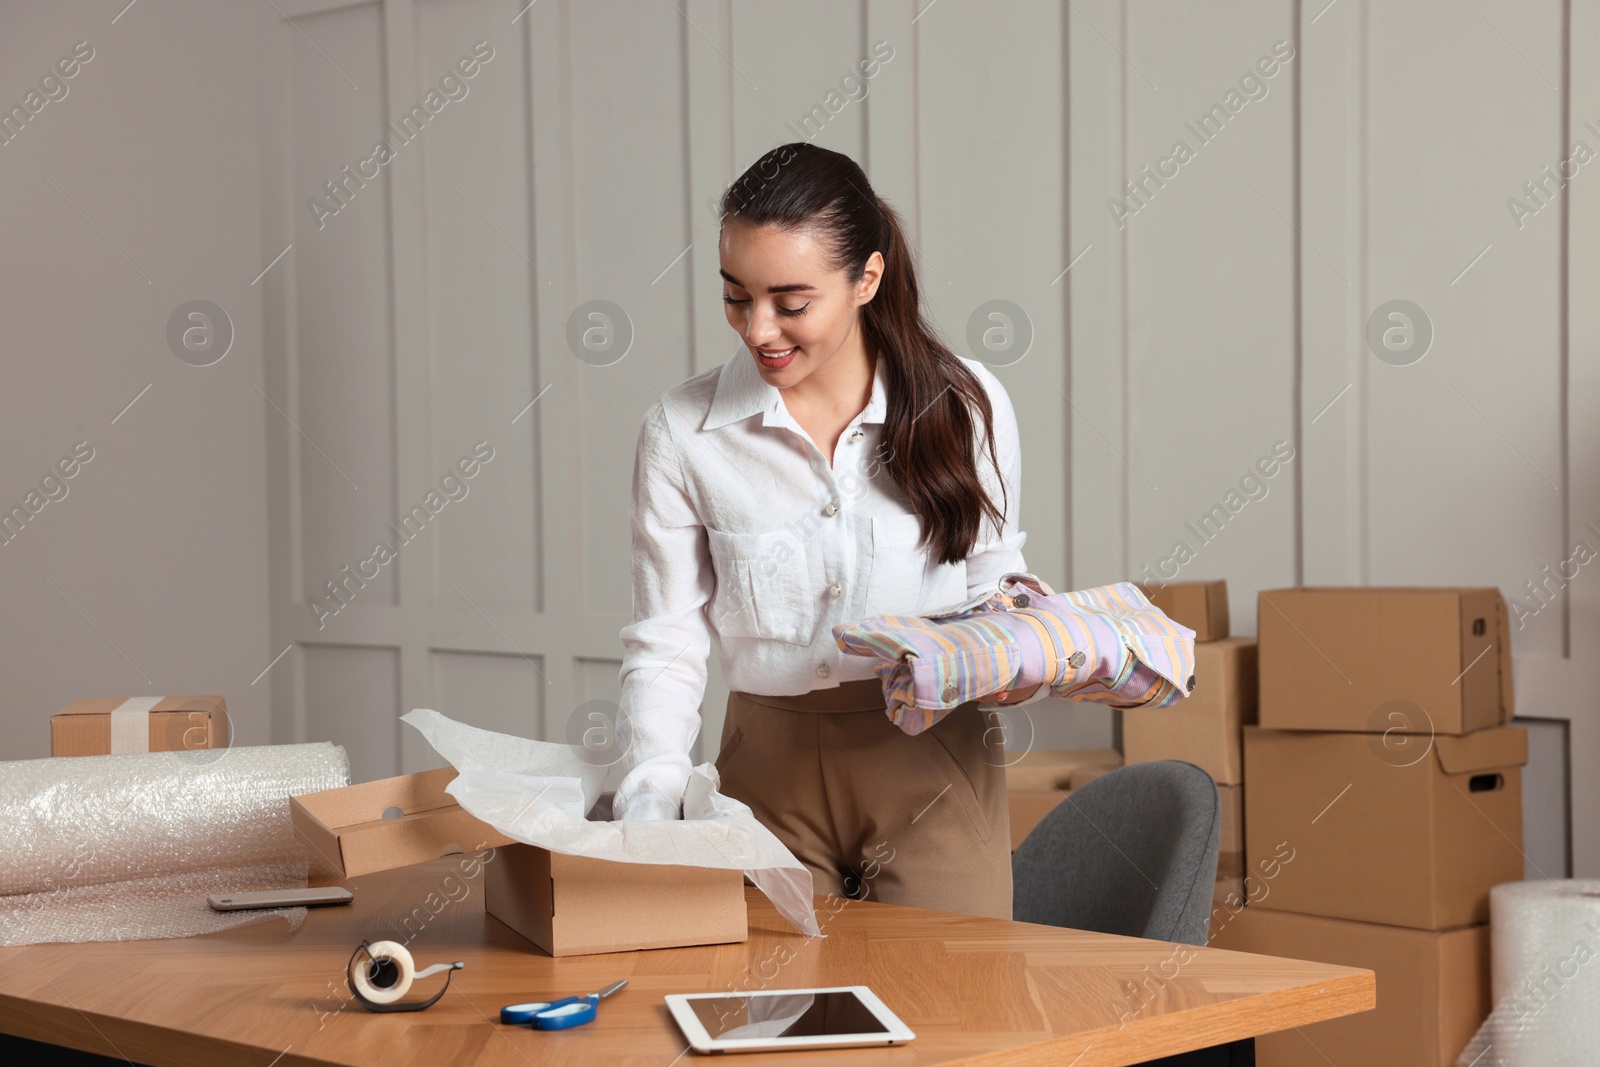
650,804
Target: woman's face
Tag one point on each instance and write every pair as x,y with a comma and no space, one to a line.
794,314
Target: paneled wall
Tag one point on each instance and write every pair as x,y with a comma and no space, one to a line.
1188,331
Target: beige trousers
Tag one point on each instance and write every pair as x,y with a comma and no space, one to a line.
873,812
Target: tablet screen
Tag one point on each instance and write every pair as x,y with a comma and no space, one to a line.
824,1014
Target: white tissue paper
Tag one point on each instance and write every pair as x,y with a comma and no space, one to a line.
541,792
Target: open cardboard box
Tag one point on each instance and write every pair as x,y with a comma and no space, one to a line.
393,822
567,905
577,905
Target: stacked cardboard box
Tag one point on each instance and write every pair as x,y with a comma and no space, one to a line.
1385,800
1207,727
1038,780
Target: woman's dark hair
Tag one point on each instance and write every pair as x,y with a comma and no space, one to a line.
932,395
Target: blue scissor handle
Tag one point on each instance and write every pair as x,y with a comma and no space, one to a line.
564,1014
518,1014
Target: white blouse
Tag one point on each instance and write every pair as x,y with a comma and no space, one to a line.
745,536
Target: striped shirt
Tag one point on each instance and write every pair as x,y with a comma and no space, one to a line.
1108,645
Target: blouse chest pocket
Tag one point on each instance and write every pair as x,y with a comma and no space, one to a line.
899,567
764,587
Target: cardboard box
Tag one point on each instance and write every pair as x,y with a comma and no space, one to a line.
1433,988
393,822
168,724
1203,728
1375,659
1201,606
1231,798
576,905
1052,768
1415,839
1082,776
1028,809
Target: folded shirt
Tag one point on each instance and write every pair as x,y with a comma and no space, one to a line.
1107,645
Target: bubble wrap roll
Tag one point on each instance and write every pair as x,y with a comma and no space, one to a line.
1545,944
103,848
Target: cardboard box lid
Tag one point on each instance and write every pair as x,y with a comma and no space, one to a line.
1484,750
207,702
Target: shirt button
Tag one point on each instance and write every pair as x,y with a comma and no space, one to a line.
857,435
831,509
1020,600
836,590
949,693
1191,683
1076,660
822,670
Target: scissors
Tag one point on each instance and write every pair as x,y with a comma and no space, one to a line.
559,1014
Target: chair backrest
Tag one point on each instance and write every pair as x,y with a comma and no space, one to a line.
1133,852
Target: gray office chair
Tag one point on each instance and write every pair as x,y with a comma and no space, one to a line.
1133,852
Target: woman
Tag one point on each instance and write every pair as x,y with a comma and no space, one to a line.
845,465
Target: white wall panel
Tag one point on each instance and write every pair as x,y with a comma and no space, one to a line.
1189,337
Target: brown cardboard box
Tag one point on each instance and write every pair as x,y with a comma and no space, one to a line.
1082,776
1028,809
576,905
1412,839
1379,659
1433,988
1231,798
84,727
1051,768
347,827
1203,728
1201,606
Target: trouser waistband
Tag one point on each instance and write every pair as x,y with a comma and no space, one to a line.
863,695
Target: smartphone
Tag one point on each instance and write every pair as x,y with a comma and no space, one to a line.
310,896
777,1019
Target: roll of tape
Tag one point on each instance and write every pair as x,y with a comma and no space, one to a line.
386,974
130,725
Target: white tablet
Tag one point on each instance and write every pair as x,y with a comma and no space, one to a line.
846,1016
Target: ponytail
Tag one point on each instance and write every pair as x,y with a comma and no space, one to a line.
929,429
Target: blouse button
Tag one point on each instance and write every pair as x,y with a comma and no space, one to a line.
831,509
857,435
822,670
836,590
1076,660
949,693
1020,600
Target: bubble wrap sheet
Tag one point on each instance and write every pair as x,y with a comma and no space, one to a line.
540,792
116,848
1545,958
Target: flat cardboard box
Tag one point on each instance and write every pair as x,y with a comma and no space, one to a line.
1376,659
1410,838
1028,809
576,905
1202,728
1201,606
1052,768
83,728
1433,988
348,827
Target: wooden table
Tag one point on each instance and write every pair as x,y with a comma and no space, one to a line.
976,991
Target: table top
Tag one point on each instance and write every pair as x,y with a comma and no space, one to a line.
975,990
